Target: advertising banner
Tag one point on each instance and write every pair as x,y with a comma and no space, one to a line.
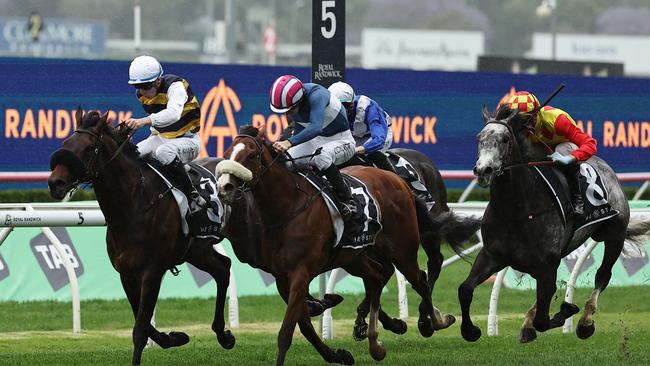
31,269
438,113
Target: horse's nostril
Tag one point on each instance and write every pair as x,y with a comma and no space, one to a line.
475,171
487,171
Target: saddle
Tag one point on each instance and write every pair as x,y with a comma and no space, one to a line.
207,222
404,170
360,230
592,189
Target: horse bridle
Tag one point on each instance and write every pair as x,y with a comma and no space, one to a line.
89,175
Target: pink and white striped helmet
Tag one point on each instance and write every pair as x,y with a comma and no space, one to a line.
286,92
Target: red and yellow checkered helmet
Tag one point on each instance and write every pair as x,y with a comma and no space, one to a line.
523,101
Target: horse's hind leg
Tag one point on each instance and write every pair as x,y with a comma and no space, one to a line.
484,266
586,325
203,256
527,333
431,245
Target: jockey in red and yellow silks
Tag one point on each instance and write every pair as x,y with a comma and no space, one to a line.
555,128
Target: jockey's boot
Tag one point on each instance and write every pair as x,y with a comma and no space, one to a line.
381,161
346,205
573,178
195,201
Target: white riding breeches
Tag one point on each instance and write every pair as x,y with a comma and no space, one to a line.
166,150
336,149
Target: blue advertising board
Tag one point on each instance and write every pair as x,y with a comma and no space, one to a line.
438,113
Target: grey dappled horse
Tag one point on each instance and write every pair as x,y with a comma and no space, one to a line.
522,227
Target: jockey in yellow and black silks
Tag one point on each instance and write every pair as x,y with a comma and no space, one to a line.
174,120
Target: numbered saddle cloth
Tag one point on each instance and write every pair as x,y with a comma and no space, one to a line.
594,194
407,172
362,228
206,223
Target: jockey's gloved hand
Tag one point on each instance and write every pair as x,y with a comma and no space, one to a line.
562,159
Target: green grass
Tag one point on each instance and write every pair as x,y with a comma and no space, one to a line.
40,332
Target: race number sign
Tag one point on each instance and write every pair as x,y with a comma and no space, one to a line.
328,42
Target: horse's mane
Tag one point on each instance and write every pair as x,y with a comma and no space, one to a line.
120,136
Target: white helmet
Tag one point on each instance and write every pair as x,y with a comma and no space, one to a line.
144,69
342,91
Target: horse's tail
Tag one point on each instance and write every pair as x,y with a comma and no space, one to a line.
455,229
638,231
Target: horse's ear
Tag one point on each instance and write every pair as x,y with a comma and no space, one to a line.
103,121
78,116
261,132
485,113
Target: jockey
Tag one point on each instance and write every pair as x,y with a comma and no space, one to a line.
555,128
320,123
369,124
174,120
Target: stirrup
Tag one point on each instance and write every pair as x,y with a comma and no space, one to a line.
578,206
347,210
196,202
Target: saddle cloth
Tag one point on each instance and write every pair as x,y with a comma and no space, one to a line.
407,172
592,189
207,222
362,228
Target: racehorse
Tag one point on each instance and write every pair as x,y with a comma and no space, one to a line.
144,235
430,239
299,238
524,228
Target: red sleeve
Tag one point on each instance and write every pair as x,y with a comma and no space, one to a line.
586,144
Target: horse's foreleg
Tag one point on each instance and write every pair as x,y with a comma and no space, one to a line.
546,288
586,326
484,266
203,256
293,289
149,289
527,332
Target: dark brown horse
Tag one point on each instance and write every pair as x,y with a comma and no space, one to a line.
143,236
299,239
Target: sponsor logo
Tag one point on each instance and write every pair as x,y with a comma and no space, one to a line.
327,71
50,260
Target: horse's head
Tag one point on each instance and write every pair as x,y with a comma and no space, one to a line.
77,160
499,143
245,161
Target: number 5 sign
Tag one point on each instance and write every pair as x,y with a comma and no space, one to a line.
328,41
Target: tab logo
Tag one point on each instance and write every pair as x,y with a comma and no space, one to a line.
51,262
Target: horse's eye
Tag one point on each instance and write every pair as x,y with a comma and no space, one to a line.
252,157
505,139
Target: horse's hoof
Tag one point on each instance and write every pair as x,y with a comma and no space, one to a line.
470,333
585,331
568,310
397,326
345,357
360,331
332,300
315,308
449,321
426,327
527,335
177,339
226,340
377,351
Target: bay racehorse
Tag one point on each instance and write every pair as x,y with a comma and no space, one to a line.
524,228
143,236
430,240
299,238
